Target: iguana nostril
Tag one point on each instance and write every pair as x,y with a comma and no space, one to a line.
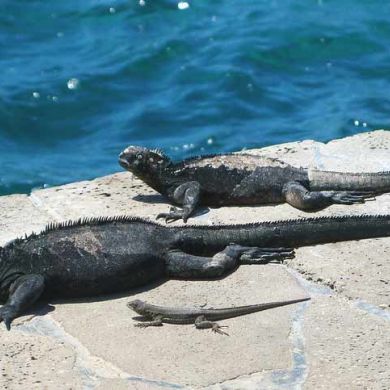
123,162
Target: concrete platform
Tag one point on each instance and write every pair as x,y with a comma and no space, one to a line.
341,338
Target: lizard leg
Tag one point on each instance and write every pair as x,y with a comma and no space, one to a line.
187,195
157,321
184,265
301,198
23,292
202,323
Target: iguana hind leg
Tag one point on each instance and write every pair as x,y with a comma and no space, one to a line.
298,196
187,195
184,265
23,292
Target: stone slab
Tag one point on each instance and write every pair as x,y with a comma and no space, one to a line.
291,347
356,270
19,216
36,363
183,354
347,348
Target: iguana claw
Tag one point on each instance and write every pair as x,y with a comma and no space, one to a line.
266,255
352,197
7,314
169,217
174,215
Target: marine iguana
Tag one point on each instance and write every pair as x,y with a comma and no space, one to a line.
244,179
201,318
96,256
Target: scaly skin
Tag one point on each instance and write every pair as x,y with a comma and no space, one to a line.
201,318
106,255
243,179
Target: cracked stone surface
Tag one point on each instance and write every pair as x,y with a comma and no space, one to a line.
35,362
352,352
19,216
338,339
183,354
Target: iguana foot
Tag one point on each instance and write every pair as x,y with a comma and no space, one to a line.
174,215
351,197
266,255
7,314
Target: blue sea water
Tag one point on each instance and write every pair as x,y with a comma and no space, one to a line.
80,80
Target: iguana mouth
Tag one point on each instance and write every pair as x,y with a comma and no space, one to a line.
123,162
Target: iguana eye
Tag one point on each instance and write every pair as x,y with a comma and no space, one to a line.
139,157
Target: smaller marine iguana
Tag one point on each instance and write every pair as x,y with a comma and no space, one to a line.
96,256
244,179
201,318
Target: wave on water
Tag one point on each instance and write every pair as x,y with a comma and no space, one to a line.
79,81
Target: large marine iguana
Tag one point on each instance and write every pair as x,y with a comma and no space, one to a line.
105,255
244,179
200,317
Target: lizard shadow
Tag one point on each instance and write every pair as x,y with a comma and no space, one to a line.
140,318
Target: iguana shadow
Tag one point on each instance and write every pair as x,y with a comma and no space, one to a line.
150,198
156,198
108,297
41,308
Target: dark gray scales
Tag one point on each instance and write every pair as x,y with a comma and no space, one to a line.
244,179
92,257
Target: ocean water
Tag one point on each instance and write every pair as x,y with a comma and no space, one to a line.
80,80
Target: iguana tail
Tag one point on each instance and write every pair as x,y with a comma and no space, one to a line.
289,233
378,182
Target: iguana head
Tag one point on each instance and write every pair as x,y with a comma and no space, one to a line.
142,161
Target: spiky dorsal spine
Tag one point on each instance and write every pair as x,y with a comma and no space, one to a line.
160,153
84,221
93,221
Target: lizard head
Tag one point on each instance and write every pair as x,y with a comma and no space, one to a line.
136,305
139,160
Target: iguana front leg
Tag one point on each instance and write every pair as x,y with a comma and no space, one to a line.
23,292
187,195
183,265
202,323
301,198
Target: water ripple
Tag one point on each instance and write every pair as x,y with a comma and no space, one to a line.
154,74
